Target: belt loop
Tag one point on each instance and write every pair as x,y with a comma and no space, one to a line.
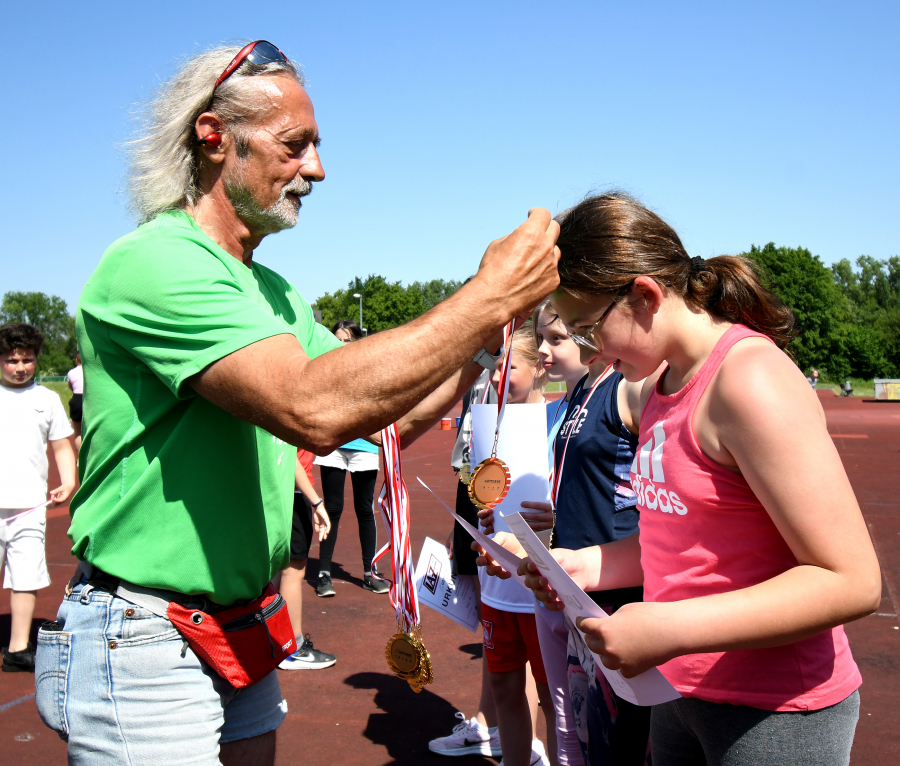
86,593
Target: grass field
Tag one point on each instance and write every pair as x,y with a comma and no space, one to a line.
65,393
861,387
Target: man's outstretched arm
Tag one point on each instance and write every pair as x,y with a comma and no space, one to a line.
319,404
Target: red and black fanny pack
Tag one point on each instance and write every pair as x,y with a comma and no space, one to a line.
242,644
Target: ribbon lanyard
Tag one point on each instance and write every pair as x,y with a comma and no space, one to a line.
557,477
484,398
394,503
30,510
503,387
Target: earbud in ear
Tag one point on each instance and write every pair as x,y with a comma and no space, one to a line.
213,139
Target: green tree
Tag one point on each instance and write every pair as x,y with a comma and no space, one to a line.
805,284
385,304
435,291
51,316
849,320
873,291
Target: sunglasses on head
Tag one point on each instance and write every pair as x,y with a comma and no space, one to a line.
258,52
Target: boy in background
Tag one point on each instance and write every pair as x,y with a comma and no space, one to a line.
32,416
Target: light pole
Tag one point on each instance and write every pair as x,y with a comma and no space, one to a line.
357,295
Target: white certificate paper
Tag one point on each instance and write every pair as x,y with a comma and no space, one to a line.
509,561
523,447
651,686
452,596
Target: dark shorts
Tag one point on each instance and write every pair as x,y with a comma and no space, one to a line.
301,528
75,407
463,555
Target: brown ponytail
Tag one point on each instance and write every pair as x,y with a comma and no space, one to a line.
608,240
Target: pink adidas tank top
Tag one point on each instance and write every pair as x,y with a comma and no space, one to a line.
703,531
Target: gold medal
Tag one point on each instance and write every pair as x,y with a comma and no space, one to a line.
403,656
426,673
490,483
465,474
408,658
491,478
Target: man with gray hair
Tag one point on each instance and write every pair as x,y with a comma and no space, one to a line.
203,371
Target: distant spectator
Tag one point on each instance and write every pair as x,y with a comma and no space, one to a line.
813,378
32,416
75,376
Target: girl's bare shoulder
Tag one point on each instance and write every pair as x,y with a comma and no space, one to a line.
758,381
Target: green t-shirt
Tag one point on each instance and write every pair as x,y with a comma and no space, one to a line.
176,493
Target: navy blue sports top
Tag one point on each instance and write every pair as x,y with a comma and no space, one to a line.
595,503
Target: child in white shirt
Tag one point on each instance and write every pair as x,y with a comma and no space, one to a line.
32,416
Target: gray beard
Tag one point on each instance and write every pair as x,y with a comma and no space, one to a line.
281,215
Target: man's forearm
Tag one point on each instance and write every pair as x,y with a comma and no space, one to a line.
425,414
319,404
357,390
397,370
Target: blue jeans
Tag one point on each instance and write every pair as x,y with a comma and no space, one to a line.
120,686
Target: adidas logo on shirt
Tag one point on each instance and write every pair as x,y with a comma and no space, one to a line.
647,472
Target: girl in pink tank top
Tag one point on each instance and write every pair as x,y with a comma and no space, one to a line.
751,548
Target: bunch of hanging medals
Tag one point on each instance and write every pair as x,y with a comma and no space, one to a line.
489,482
405,652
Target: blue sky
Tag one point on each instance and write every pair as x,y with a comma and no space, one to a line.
443,123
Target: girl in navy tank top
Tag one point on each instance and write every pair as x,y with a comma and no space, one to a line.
595,504
594,446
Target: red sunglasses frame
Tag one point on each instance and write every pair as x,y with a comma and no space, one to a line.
242,55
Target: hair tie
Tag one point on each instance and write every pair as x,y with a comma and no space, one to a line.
698,264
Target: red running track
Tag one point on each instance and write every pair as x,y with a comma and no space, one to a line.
358,713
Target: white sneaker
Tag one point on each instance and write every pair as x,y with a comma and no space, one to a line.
538,755
468,738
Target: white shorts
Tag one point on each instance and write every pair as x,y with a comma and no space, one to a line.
350,460
22,549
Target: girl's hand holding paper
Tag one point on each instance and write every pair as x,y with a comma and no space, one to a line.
507,541
569,560
634,639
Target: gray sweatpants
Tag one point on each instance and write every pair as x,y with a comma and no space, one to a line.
692,732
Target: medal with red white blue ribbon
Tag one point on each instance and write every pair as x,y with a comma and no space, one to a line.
405,652
491,479
465,471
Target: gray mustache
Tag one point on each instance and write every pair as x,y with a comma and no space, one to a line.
300,188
